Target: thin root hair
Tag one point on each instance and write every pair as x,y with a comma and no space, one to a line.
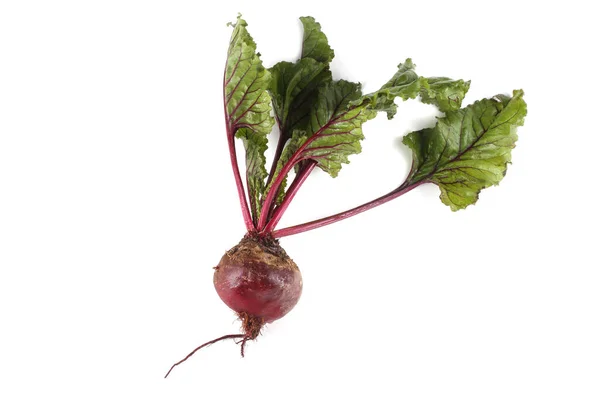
241,336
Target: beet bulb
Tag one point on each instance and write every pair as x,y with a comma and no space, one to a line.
259,281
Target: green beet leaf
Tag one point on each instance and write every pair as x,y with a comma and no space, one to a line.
404,84
445,93
294,85
256,146
468,149
335,126
293,89
314,42
248,107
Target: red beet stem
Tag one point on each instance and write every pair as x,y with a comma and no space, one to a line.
307,226
289,196
294,159
235,336
234,165
272,193
240,185
278,151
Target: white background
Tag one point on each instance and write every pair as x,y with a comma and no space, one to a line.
116,200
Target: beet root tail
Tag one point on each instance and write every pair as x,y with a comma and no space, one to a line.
241,336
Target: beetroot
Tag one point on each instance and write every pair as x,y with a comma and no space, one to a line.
259,282
320,123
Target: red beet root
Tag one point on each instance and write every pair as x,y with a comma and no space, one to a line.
259,281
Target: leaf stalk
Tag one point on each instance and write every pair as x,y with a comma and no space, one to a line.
307,226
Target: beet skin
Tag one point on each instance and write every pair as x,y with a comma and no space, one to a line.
258,281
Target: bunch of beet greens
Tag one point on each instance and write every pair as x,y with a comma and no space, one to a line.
320,123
